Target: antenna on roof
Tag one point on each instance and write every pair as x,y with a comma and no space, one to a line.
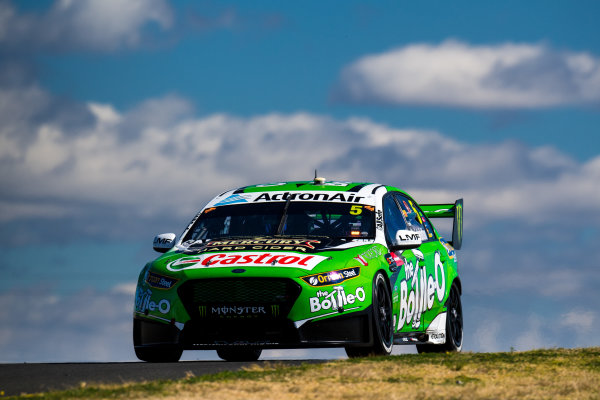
318,180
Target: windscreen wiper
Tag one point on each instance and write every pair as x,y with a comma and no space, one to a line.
283,219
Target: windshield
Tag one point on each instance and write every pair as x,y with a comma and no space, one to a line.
295,218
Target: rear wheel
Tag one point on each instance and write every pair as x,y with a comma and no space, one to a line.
381,322
454,327
239,354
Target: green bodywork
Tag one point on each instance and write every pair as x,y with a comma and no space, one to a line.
419,279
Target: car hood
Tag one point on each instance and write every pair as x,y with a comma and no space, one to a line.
266,256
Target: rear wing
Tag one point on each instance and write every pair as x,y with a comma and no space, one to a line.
448,211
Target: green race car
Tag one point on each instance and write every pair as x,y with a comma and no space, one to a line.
301,265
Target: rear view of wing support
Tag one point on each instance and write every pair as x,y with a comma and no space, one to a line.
448,211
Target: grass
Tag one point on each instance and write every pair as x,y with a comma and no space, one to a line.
538,374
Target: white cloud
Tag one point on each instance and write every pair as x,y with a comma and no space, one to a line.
514,324
581,321
485,337
84,24
42,326
159,157
125,288
528,274
457,74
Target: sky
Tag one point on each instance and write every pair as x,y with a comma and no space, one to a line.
119,120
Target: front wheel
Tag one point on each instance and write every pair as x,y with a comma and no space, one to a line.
454,327
239,354
159,354
381,322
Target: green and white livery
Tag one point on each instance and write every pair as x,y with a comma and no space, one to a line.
299,265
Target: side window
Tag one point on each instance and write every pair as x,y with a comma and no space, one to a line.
394,221
427,224
412,216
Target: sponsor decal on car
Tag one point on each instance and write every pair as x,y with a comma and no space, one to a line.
409,236
247,259
144,302
160,281
162,241
379,220
423,292
310,196
332,277
237,310
244,343
335,299
449,249
234,199
233,311
395,261
260,244
327,196
371,253
361,260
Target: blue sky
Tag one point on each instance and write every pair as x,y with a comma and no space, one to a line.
292,56
118,120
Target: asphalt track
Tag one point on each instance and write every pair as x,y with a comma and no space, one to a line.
17,379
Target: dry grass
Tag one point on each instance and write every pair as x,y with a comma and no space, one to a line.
551,374
566,374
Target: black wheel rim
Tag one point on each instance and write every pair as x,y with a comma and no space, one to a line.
384,311
455,317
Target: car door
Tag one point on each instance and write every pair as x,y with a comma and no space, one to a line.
418,283
405,266
430,285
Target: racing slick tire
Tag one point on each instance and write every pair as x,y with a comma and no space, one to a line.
454,327
159,354
381,322
239,354
162,353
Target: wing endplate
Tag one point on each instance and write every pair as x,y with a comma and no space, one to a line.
454,211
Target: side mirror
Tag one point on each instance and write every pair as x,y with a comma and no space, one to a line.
406,239
164,242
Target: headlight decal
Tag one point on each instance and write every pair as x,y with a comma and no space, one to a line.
158,281
332,277
145,304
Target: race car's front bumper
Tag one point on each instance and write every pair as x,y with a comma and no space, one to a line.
247,311
351,329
